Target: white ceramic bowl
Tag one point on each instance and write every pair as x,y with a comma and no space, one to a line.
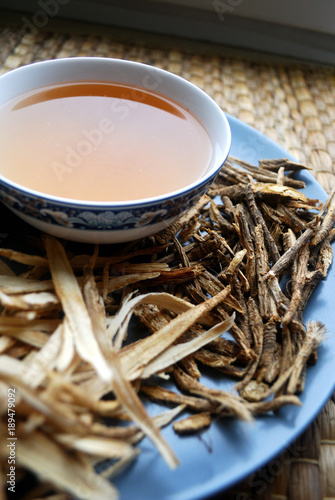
112,222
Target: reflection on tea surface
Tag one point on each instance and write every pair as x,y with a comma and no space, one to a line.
101,142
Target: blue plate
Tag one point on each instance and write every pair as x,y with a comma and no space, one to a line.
230,450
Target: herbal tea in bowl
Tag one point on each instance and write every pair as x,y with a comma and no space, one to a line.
104,150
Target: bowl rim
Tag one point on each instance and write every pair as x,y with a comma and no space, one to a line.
64,201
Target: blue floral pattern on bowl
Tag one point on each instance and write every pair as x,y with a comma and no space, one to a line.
85,217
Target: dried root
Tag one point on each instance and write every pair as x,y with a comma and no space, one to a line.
66,342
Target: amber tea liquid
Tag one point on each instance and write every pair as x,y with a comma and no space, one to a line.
98,141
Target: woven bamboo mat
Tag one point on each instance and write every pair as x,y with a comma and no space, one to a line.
290,102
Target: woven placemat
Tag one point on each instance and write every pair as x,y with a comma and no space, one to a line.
293,103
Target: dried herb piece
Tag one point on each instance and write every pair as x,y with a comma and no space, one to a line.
192,424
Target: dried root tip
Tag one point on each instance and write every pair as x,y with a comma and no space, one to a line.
275,404
328,221
194,423
275,164
315,333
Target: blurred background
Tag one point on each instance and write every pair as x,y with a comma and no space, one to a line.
300,29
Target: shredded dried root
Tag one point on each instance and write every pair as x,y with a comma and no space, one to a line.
66,340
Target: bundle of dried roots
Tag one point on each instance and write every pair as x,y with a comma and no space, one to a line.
66,353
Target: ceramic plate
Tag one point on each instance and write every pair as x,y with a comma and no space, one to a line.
230,451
